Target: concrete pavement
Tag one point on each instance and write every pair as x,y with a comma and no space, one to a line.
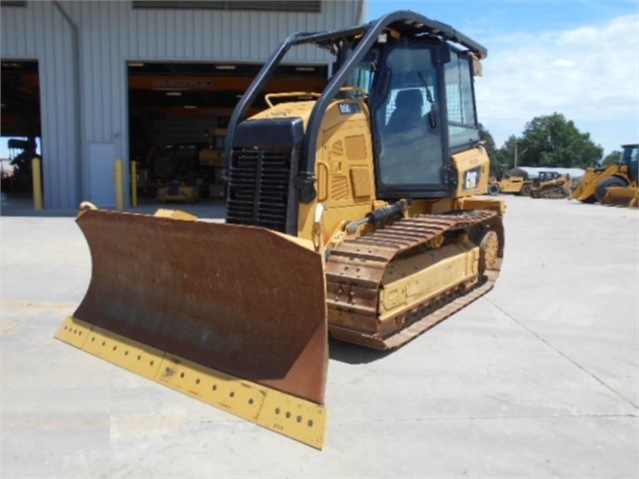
540,378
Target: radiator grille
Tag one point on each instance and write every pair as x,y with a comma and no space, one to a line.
259,187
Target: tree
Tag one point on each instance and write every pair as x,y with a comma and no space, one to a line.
554,141
489,144
612,158
505,156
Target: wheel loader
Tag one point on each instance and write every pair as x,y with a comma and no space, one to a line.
351,212
619,179
626,191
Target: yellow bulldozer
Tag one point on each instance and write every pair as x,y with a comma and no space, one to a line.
351,212
614,184
551,185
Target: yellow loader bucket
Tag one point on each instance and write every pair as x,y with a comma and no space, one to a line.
586,188
233,315
621,196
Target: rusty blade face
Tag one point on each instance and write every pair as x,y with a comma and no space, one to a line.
239,299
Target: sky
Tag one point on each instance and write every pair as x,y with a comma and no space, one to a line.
579,58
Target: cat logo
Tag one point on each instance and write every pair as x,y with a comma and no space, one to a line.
471,179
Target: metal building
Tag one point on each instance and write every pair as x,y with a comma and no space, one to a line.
104,68
532,172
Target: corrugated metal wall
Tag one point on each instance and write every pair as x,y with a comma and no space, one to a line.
38,33
89,105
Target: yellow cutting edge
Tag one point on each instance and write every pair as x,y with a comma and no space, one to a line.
291,416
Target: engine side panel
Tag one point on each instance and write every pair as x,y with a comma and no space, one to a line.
473,172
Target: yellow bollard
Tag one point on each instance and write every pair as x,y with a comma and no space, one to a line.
134,183
119,184
36,173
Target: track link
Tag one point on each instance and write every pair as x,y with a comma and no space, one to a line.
554,192
354,272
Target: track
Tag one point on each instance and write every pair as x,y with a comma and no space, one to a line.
550,192
355,269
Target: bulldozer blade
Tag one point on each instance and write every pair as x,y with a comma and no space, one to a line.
233,315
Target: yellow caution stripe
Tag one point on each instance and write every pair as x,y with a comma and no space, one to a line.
291,416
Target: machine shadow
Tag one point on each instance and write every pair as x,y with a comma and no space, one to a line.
353,354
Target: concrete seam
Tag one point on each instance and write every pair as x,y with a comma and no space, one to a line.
561,353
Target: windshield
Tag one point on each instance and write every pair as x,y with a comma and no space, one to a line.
406,119
630,153
631,158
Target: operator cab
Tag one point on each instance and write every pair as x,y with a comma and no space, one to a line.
417,79
630,157
423,109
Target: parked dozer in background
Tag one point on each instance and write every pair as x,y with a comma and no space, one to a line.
622,177
551,184
350,212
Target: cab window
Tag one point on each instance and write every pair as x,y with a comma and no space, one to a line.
462,119
408,133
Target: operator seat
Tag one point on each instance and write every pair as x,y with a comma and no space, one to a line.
408,110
